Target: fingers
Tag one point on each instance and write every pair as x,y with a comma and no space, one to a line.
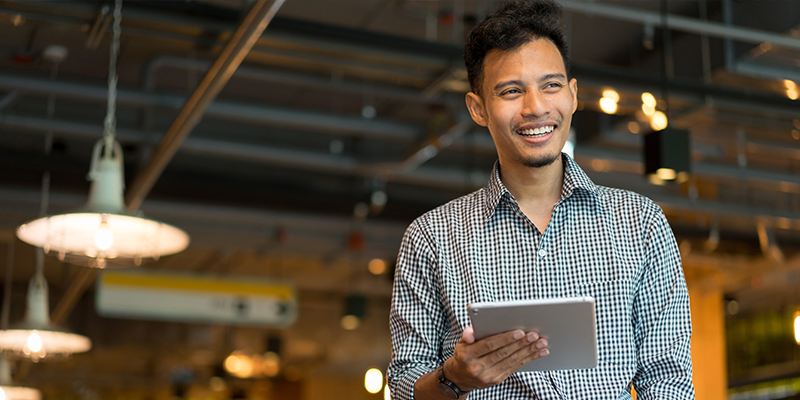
469,335
491,360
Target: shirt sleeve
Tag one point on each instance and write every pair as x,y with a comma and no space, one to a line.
416,319
662,320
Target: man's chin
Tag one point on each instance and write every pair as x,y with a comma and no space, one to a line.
541,160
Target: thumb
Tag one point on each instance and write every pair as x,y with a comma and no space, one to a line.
468,335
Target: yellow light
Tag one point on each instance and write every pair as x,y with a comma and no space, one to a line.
609,106
611,94
655,180
797,327
377,266
373,380
791,93
789,84
387,395
633,127
34,342
239,365
271,364
659,121
350,322
666,174
683,177
795,134
649,100
648,110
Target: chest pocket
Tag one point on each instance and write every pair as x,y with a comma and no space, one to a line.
615,330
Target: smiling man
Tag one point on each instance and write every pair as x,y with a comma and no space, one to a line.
539,229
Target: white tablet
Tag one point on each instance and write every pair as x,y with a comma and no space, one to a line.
568,324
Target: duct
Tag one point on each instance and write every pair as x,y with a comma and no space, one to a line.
221,109
265,75
433,177
682,23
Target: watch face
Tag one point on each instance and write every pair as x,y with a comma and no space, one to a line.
447,390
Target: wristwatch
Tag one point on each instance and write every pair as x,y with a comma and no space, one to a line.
449,388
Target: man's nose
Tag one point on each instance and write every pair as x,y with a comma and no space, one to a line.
535,104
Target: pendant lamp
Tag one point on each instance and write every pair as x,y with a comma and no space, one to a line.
7,389
36,337
103,231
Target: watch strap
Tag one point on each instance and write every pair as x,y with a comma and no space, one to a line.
447,387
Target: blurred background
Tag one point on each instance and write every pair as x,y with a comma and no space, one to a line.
343,123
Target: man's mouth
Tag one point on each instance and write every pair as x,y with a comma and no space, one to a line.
536,132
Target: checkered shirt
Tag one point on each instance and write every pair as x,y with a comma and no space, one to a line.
611,244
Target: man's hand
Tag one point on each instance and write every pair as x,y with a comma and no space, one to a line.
478,364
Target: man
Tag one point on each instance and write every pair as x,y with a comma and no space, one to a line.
539,229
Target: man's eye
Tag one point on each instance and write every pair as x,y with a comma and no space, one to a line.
553,85
511,91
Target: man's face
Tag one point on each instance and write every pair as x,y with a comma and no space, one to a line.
527,103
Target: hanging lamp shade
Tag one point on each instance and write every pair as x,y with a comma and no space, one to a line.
8,391
102,231
36,337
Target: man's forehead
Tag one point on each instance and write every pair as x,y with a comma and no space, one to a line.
498,62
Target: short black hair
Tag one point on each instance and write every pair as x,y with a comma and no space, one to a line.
511,26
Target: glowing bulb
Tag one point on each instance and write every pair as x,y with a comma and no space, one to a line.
350,322
633,127
103,238
791,93
2,394
648,110
789,84
377,266
34,342
797,327
387,395
649,100
373,380
611,94
666,174
659,121
609,106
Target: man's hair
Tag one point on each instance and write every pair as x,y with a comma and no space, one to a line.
514,24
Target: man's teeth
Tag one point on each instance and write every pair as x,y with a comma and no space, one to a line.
537,131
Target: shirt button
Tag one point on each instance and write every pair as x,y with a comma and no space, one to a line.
541,253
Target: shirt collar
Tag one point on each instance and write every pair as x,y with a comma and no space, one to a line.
574,179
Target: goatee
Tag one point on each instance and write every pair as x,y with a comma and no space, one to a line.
541,161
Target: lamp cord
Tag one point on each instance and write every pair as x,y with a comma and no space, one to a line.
110,125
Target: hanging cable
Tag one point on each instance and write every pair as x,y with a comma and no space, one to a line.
110,124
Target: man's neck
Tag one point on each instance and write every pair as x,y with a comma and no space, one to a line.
534,186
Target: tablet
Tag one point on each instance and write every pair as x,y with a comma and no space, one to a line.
568,324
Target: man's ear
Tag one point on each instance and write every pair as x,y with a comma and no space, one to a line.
573,88
476,109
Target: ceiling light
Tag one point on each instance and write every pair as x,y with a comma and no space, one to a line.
634,127
387,395
36,337
608,105
354,309
103,229
648,99
797,327
377,266
659,121
373,380
611,94
10,392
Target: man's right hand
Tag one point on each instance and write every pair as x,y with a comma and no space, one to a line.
478,364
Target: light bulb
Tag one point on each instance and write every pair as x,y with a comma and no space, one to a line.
103,238
797,327
373,380
666,174
608,105
611,94
659,121
387,395
34,342
2,394
649,100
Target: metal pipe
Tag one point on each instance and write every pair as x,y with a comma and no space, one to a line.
682,23
254,24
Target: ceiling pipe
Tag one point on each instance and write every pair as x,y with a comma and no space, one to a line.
680,23
435,177
243,40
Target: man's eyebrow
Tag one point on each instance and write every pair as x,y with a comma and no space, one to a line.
555,75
